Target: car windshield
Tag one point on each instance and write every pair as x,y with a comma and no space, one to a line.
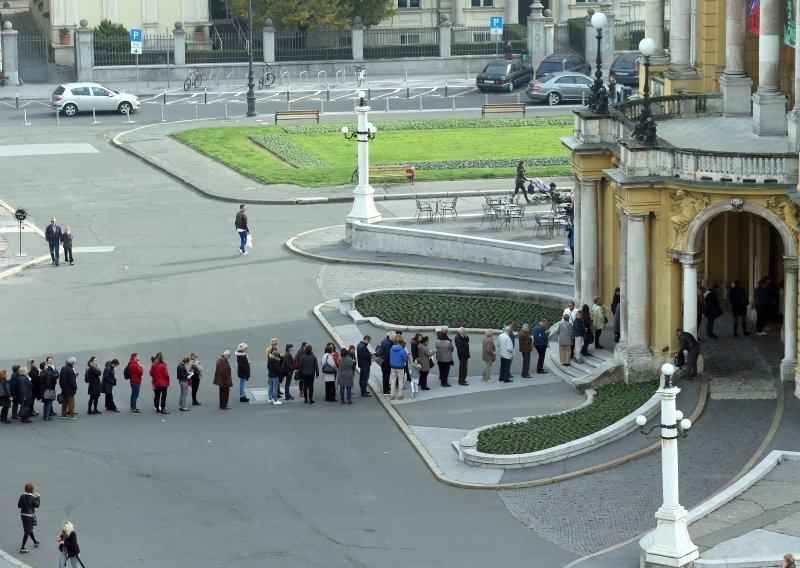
495,69
549,66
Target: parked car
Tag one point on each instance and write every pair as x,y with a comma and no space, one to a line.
502,76
72,98
626,68
556,63
558,87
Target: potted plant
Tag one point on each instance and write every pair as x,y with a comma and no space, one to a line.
63,36
199,33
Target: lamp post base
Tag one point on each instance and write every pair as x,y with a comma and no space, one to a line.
672,545
364,209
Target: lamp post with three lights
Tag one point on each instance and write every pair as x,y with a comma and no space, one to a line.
364,209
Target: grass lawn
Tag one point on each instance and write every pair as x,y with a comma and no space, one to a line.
278,154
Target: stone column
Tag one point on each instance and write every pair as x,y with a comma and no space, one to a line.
794,116
623,280
589,241
357,43
654,26
268,40
10,51
84,40
789,361
689,263
512,12
563,11
680,27
769,104
576,196
536,35
445,36
735,85
637,287
458,13
549,33
180,44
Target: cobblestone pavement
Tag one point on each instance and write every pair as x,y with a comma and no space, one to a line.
733,355
567,514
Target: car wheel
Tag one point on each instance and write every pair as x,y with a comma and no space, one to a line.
69,109
125,107
553,98
511,86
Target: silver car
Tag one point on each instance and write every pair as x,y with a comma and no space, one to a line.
566,86
73,98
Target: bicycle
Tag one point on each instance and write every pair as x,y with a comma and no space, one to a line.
361,74
267,77
195,79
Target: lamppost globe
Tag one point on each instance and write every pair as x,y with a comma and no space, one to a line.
667,369
647,46
678,415
599,20
361,94
371,128
686,423
345,130
641,420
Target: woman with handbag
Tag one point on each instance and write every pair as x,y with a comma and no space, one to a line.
47,381
444,357
28,503
329,371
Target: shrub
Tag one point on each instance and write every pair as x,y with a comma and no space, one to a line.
486,163
288,151
437,124
613,402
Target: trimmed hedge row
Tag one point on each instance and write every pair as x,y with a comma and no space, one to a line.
436,124
485,163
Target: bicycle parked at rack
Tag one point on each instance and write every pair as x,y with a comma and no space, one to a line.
361,74
267,77
195,79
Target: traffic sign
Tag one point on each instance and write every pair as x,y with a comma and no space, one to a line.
496,25
136,41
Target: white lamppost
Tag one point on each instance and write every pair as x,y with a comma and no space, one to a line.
364,209
672,545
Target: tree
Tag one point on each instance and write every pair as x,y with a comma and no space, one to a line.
305,14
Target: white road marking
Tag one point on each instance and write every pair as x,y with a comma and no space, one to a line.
45,149
94,249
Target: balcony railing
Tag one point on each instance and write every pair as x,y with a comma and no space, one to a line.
672,106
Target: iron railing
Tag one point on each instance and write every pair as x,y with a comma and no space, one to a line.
156,50
385,43
477,40
227,48
313,45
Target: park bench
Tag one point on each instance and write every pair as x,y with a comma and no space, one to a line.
406,171
502,107
296,115
3,80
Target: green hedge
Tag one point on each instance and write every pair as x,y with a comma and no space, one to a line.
288,151
435,124
613,402
194,57
395,51
313,54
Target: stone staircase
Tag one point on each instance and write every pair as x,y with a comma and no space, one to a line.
561,264
597,362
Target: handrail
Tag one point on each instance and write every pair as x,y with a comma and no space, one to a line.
669,106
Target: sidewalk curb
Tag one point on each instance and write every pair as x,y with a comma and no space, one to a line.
31,263
436,470
11,560
290,244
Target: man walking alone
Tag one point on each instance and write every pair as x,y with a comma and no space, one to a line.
241,227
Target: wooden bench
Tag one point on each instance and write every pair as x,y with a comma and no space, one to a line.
405,171
296,115
502,107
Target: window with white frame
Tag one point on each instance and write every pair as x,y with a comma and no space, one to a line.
482,3
408,3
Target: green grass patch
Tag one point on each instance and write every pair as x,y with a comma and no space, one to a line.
452,310
314,155
613,402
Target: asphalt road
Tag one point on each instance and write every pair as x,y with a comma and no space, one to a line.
297,485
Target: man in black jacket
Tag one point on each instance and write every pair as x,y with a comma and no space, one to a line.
364,361
711,310
462,349
689,344
739,301
68,381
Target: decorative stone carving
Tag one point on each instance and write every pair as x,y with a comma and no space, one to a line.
787,210
687,206
738,204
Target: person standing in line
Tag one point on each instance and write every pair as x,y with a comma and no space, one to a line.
519,181
287,370
569,230
739,302
425,362
565,336
540,342
689,344
184,374
615,309
92,376
505,348
588,337
462,350
364,360
761,297
222,378
578,335
489,354
615,300
47,382
135,374
159,373
241,227
28,502
711,310
309,370
68,546
701,296
328,365
273,351
571,310
197,373
109,382
54,237
398,358
444,357
384,350
25,395
242,370
68,381
16,398
298,376
599,320
274,370
66,241
52,373
5,397
525,348
345,376
36,384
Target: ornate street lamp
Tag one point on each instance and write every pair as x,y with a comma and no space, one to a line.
363,202
645,130
251,86
598,98
672,545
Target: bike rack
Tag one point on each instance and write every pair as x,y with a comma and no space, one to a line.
324,75
340,74
301,78
285,82
228,79
215,76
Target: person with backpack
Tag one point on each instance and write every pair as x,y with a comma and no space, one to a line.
133,373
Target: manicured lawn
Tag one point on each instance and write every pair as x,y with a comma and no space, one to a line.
292,154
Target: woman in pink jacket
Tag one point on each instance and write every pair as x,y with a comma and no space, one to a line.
160,375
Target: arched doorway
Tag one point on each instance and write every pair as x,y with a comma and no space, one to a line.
743,241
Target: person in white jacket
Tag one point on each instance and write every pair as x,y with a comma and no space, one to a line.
505,348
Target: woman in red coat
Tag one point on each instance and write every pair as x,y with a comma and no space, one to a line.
160,376
134,375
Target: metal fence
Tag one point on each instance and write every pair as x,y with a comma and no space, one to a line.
225,48
627,35
477,40
313,45
384,43
34,53
561,38
156,50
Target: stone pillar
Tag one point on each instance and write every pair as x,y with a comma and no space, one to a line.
445,36
180,44
637,287
536,35
769,104
549,33
680,27
654,26
563,11
623,280
84,60
10,51
512,12
589,241
789,361
690,263
576,196
357,43
735,85
458,13
268,41
794,116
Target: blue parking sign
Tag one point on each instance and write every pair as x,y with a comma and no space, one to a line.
495,22
136,35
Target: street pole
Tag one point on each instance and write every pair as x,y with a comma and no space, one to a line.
251,92
364,209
